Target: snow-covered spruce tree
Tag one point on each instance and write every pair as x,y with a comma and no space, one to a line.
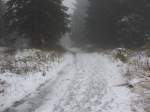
42,21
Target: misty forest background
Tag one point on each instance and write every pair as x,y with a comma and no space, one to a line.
102,23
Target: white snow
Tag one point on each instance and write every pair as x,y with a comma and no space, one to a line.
92,88
138,72
18,86
80,82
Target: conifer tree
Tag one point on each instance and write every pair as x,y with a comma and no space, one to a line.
2,25
42,21
119,22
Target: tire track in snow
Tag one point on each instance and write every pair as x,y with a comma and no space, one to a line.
82,89
92,89
51,91
84,85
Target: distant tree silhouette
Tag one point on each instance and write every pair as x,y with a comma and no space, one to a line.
118,22
2,11
78,29
42,21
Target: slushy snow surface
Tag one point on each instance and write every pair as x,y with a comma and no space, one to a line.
81,82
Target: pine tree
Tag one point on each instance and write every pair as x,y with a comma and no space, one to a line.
134,25
100,22
1,8
119,22
2,25
43,21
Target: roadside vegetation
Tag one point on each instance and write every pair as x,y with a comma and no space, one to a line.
137,64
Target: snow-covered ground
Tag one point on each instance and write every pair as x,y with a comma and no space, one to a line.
74,82
138,67
15,85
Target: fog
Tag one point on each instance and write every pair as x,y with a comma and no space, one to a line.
70,4
99,23
66,40
77,10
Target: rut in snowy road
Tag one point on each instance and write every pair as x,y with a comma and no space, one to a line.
86,84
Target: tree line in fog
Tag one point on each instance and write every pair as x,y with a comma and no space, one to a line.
123,23
104,23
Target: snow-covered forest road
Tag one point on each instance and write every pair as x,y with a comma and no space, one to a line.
87,83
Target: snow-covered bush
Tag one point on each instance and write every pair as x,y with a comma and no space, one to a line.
28,60
121,54
139,74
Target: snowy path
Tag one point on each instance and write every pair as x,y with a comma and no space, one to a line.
86,84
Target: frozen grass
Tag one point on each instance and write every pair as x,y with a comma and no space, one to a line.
70,82
138,73
23,72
